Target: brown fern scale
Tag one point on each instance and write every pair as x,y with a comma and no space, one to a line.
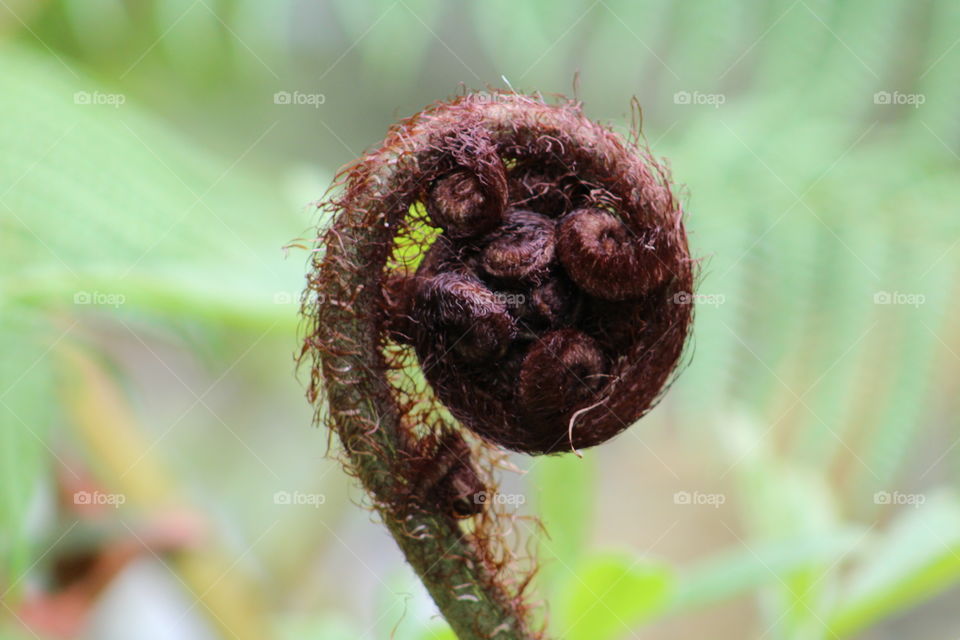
544,314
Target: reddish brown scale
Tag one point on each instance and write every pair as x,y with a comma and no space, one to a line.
551,193
441,256
461,205
562,373
553,304
617,325
607,258
481,398
446,477
398,294
445,255
521,250
457,314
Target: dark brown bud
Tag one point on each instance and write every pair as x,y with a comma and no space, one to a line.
618,324
461,205
465,493
445,477
446,255
521,250
553,304
460,315
561,374
543,314
607,258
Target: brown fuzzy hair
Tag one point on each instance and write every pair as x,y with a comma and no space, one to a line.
606,210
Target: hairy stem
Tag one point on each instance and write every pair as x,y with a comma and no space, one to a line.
366,421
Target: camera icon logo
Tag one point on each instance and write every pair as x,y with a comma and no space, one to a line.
681,97
282,497
282,97
882,97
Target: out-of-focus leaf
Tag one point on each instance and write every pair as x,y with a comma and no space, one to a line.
102,208
402,32
741,570
26,411
404,608
104,424
439,632
610,595
917,559
785,503
329,626
194,37
565,489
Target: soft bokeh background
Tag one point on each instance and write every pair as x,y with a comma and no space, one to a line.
159,477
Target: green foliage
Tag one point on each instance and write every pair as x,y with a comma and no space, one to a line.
611,593
916,559
193,240
565,489
806,200
738,571
25,376
103,210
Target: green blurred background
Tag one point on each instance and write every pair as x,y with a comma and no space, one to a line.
159,477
